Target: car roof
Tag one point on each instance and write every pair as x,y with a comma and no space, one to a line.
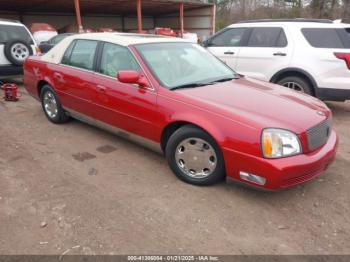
125,39
300,22
10,22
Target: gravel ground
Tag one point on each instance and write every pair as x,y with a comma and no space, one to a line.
76,189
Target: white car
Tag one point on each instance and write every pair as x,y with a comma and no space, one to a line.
16,44
312,56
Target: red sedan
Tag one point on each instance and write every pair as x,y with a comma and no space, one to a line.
174,96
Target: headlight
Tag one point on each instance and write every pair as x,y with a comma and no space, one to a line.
278,143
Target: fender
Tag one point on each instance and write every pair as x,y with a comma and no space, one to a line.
201,122
298,70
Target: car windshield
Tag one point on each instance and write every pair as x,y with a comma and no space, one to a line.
181,65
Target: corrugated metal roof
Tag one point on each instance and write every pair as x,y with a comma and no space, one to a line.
120,7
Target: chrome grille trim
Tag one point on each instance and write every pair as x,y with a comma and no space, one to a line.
318,135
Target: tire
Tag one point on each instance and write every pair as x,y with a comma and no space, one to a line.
300,84
205,163
52,106
16,51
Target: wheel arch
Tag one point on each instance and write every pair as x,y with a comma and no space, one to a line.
41,84
294,71
173,126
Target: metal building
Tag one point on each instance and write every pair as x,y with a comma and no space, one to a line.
122,15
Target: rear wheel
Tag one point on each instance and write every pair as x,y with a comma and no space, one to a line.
296,83
52,106
194,156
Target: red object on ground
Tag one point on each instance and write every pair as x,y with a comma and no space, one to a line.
10,92
165,31
106,29
36,27
88,30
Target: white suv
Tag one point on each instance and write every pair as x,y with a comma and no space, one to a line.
312,56
16,44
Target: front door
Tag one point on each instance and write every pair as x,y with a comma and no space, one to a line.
226,45
125,106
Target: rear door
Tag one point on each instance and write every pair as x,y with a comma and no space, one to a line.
267,51
73,77
226,45
125,106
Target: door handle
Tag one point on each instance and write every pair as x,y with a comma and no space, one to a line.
229,53
279,54
101,88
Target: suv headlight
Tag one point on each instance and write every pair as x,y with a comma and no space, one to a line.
277,143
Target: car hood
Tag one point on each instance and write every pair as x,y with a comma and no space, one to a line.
260,104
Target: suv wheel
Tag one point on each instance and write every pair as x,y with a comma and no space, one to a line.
52,106
296,83
194,156
16,51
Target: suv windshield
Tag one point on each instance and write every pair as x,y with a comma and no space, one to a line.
184,65
12,32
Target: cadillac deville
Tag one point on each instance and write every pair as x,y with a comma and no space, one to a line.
173,96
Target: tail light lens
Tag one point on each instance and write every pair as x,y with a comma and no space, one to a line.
345,57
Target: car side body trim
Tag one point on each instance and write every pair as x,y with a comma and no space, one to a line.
331,94
152,145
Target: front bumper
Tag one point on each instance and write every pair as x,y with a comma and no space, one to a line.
284,172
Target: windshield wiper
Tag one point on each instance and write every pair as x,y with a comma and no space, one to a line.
191,85
224,79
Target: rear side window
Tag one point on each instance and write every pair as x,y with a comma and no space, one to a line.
267,37
327,37
12,32
230,37
81,54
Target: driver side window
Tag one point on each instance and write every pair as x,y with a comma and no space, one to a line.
231,37
116,58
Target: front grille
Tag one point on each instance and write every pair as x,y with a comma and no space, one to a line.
318,135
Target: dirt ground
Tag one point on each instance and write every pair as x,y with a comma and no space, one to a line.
76,189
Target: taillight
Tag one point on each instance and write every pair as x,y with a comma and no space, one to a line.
345,57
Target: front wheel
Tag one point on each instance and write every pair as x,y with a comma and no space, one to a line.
194,156
52,106
296,83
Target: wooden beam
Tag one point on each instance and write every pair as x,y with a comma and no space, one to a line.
139,16
213,20
78,16
123,23
181,19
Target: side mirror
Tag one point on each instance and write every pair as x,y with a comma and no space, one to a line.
206,43
132,77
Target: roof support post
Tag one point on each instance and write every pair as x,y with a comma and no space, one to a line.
139,16
181,19
78,16
213,19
